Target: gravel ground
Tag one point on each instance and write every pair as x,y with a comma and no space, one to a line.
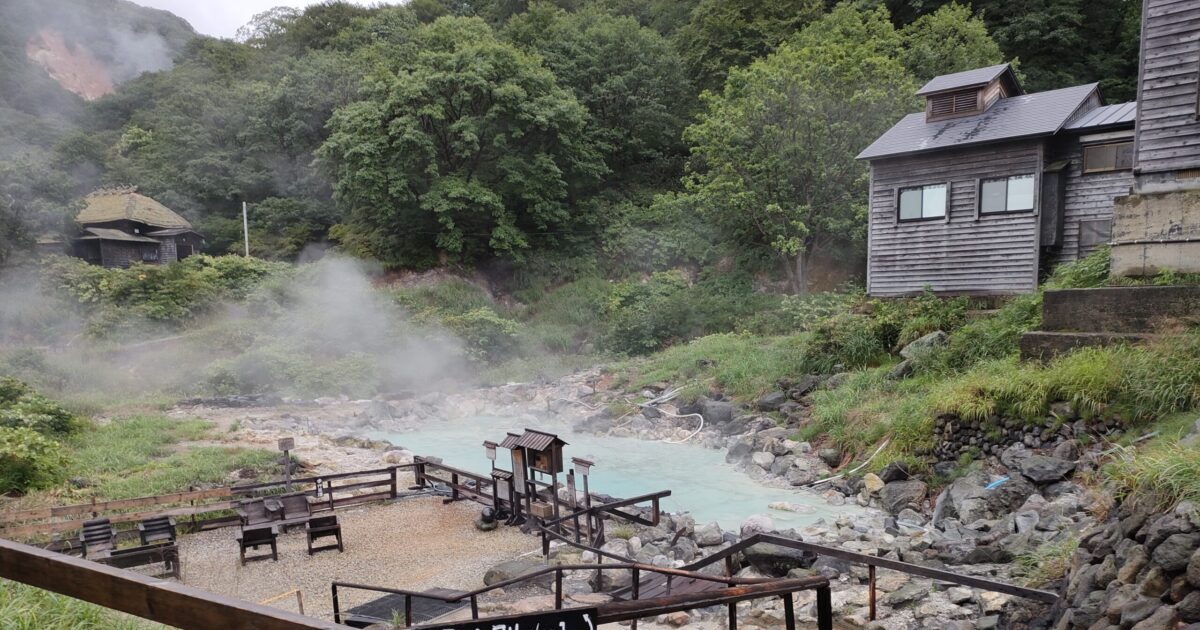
417,543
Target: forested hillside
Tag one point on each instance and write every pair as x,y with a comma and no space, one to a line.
546,140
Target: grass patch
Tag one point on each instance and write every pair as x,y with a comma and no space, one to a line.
27,608
1046,564
741,365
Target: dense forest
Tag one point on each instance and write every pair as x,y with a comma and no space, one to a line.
548,139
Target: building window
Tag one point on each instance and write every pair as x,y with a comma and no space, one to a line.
1006,194
1114,156
923,202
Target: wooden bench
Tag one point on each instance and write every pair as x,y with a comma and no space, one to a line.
157,529
166,553
99,538
254,537
296,510
254,512
323,527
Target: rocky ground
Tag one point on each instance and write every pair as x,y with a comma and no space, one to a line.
1016,501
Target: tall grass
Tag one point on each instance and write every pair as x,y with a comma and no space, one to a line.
741,365
27,608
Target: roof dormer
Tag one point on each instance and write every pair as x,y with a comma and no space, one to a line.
968,93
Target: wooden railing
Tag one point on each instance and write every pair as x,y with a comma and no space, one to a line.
332,489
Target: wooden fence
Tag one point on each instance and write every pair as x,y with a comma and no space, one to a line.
334,491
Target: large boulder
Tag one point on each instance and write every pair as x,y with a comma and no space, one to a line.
757,524
895,471
776,560
898,495
924,345
1042,469
965,498
772,401
709,535
763,460
716,411
1009,496
510,569
831,456
1176,551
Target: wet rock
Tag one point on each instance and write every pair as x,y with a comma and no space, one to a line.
782,465
895,471
716,411
898,495
1068,450
801,475
1009,495
924,345
1193,569
740,451
1042,469
901,370
762,460
1174,554
872,483
771,402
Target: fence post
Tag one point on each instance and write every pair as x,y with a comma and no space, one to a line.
733,605
474,607
789,613
407,610
393,488
637,578
871,590
824,609
337,612
558,589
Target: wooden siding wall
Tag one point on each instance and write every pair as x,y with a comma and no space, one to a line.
122,254
996,255
1087,196
167,252
1168,132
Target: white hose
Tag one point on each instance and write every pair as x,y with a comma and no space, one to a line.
856,469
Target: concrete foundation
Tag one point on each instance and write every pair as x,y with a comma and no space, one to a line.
1153,231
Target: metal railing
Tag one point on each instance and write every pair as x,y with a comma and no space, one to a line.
739,589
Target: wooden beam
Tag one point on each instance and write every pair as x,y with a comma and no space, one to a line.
106,506
641,608
165,602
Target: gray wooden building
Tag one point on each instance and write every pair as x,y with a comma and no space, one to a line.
1158,227
119,227
989,186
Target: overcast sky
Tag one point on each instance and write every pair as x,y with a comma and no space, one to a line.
221,18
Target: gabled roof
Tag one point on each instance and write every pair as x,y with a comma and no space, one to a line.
537,440
119,204
970,78
107,234
1121,114
173,232
1024,116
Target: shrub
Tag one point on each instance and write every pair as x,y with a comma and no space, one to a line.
488,337
28,460
1090,271
804,312
988,338
847,341
647,316
20,406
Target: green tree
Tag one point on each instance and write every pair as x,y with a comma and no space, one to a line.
723,34
628,77
472,143
775,151
948,40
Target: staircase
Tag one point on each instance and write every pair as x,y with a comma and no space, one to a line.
1078,318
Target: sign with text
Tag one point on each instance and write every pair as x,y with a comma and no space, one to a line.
287,444
574,619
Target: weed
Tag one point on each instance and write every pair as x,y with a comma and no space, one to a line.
1048,563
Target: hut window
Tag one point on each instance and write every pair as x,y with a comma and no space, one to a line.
1006,194
1114,156
923,202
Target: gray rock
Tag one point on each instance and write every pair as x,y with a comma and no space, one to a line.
1174,554
1164,618
988,622
757,524
901,370
959,594
763,460
1012,456
898,495
831,456
906,594
1026,521
510,569
782,464
895,471
1158,529
799,475
716,411
836,381
1009,495
924,345
1138,611
1189,607
831,568
1042,469
804,385
709,535
741,450
777,561
1193,569
771,402
1068,450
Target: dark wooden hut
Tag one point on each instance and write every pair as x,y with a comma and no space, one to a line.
120,227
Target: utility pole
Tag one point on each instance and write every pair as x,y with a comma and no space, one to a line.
246,228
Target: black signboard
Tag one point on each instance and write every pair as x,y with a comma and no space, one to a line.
574,619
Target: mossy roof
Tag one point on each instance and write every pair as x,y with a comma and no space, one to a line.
104,206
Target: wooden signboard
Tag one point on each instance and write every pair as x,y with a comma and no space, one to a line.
574,619
287,444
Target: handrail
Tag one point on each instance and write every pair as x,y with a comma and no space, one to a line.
608,507
595,550
876,561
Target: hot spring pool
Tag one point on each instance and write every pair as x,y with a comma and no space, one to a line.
699,479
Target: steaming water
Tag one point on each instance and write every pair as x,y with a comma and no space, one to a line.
699,479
